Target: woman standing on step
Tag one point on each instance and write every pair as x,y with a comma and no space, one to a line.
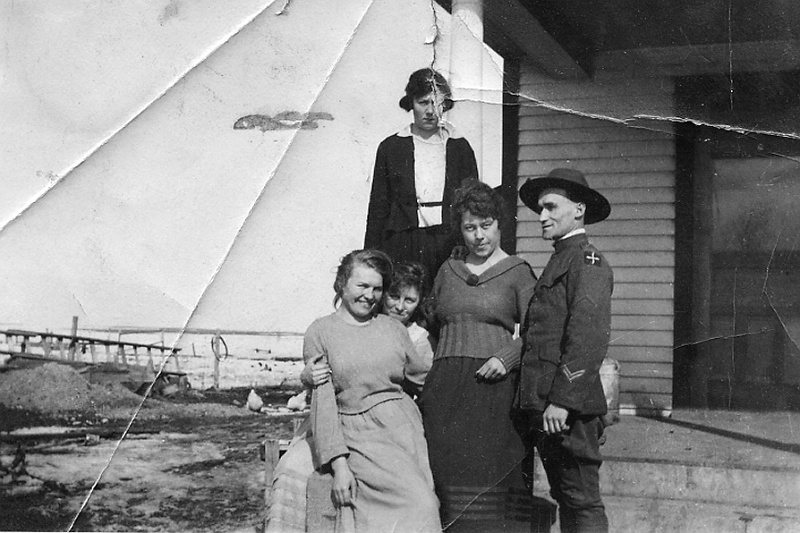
416,171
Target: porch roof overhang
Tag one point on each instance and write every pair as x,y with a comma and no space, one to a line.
576,38
764,56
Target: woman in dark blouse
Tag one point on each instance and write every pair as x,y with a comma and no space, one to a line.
416,171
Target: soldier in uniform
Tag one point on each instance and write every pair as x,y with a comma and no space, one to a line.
566,337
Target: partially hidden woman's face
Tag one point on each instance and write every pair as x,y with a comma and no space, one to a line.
428,111
481,235
362,292
401,304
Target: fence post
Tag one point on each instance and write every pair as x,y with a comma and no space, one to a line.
74,342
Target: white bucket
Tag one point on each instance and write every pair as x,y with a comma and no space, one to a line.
609,377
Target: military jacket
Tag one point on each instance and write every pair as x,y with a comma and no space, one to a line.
567,331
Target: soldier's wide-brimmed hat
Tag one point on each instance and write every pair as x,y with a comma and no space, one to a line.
574,183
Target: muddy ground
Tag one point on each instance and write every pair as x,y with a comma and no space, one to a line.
187,463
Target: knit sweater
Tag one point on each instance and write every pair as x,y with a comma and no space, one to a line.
476,314
369,364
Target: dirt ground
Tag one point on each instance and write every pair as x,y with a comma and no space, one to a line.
187,463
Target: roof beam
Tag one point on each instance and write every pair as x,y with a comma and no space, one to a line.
516,22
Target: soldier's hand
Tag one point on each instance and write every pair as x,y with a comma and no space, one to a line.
492,370
555,419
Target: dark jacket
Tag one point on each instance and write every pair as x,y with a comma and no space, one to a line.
567,331
393,200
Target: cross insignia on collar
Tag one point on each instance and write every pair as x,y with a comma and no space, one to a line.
591,258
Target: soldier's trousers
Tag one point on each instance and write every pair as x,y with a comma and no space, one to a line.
572,462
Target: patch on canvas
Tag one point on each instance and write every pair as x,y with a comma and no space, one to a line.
591,258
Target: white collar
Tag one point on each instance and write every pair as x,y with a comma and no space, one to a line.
448,131
573,233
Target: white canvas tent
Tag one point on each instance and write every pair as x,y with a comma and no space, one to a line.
128,189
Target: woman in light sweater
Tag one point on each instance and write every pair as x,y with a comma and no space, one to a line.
474,449
403,301
366,429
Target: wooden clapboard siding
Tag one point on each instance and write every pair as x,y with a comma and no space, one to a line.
641,196
653,370
632,243
611,227
646,291
642,307
642,227
641,323
644,274
598,149
626,164
637,212
641,338
550,121
642,259
618,259
633,181
637,197
643,210
640,354
538,137
610,244
583,124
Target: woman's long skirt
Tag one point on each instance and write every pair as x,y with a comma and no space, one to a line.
475,450
389,459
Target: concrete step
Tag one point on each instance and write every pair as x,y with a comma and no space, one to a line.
657,496
663,515
760,487
755,487
700,471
